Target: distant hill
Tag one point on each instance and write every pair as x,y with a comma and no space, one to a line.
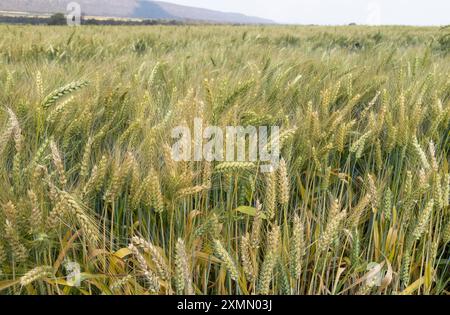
143,9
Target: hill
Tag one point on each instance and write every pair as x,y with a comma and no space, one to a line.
131,9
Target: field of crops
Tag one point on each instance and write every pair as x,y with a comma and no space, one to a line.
92,201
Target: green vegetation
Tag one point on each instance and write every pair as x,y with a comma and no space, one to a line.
87,176
57,19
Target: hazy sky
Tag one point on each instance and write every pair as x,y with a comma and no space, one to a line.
410,12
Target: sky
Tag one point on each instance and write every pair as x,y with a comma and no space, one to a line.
336,12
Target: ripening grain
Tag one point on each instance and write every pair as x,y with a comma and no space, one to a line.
87,175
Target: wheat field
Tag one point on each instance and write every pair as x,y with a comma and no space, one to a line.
359,204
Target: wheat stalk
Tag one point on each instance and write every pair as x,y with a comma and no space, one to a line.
56,95
36,274
283,184
222,253
183,278
269,262
159,261
152,279
247,261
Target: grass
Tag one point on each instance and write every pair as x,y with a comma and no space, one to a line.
87,177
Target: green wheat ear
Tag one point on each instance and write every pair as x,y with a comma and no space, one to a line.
56,95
